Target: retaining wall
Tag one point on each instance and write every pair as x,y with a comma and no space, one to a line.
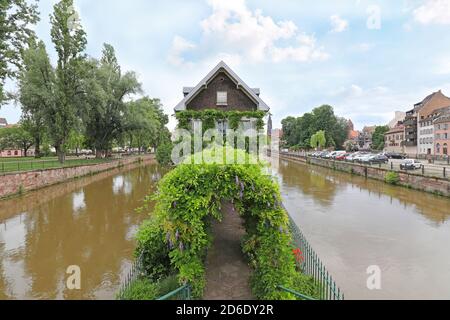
411,180
20,182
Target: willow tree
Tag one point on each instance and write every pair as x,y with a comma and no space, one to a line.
318,140
36,91
16,19
70,42
107,89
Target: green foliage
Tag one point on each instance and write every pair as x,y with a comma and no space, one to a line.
70,42
15,138
378,137
107,88
16,20
164,154
392,178
190,194
145,289
210,116
141,289
318,140
153,249
305,285
298,131
145,124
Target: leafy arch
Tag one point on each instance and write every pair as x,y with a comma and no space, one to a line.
190,195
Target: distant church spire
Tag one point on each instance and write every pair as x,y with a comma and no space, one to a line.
269,125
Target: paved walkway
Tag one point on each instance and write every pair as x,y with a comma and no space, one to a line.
227,272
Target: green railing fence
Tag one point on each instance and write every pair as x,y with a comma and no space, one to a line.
311,265
182,293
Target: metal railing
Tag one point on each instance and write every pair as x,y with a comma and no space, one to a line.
136,271
311,265
182,293
427,170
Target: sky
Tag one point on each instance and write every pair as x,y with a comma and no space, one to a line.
367,59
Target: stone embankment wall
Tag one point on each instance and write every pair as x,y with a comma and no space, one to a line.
20,182
407,179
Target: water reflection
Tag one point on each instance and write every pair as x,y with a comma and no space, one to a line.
353,223
91,224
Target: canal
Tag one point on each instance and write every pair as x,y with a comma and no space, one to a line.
89,222
351,222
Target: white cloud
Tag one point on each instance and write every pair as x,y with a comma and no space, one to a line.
338,24
433,12
235,30
179,46
363,47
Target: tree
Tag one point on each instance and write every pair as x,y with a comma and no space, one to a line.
378,137
107,90
70,42
16,19
36,91
318,140
16,138
298,131
146,124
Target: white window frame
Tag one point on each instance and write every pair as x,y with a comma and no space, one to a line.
222,98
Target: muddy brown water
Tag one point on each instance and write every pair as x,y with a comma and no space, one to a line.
352,223
89,222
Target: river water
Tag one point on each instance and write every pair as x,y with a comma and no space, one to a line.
89,222
352,223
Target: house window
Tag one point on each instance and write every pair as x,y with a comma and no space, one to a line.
438,148
222,98
222,127
445,149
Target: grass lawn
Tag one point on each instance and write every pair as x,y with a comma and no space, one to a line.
28,164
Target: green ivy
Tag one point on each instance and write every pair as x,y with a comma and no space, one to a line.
210,116
190,195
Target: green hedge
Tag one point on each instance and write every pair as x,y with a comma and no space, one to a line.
189,196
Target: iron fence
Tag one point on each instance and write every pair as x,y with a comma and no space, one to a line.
424,169
136,271
311,265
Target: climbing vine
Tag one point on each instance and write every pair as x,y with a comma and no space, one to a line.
186,200
209,118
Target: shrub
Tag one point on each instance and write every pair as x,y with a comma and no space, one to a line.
154,250
164,154
141,289
392,178
305,285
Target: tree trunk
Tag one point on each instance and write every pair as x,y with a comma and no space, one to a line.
37,147
98,154
61,154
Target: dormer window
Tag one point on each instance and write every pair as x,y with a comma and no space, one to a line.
222,98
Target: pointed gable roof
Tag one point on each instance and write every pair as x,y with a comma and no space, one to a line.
190,93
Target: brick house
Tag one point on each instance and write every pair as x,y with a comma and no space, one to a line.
419,115
222,89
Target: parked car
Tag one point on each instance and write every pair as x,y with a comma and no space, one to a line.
379,158
392,155
325,154
341,157
360,157
411,164
365,158
337,154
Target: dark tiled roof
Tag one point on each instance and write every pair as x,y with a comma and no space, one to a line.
3,121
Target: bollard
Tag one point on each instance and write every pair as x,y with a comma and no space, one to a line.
445,173
423,170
